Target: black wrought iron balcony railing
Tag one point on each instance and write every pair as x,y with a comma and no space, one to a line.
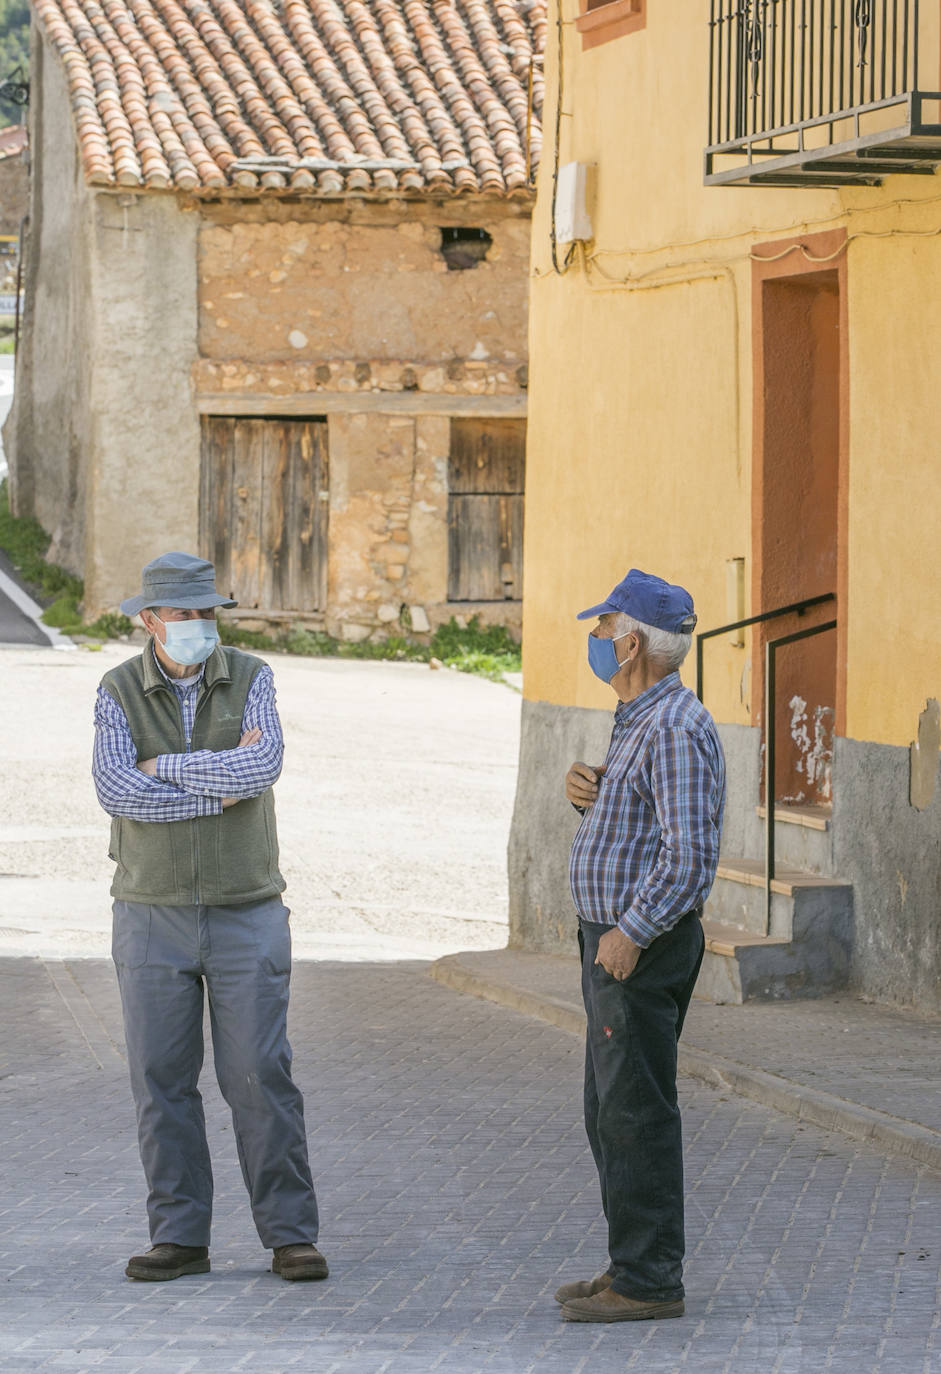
822,92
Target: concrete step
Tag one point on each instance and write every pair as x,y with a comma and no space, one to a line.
805,950
798,897
801,836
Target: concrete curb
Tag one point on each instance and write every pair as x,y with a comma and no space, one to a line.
830,1113
25,603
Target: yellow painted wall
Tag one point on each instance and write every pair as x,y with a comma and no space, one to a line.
895,483
641,373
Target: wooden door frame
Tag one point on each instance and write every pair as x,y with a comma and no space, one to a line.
777,260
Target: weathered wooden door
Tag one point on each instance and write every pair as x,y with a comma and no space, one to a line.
263,510
486,469
796,502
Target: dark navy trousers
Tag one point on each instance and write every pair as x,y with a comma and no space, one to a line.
631,1112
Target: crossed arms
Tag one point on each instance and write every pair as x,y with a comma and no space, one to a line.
179,787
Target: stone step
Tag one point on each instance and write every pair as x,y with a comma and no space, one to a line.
798,897
739,967
805,950
801,836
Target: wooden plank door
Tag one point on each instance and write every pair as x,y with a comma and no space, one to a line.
263,510
486,471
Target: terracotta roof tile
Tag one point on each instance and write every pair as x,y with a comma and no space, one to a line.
203,94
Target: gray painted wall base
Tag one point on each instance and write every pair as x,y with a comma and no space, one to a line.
876,928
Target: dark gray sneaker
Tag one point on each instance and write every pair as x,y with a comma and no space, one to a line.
299,1262
168,1261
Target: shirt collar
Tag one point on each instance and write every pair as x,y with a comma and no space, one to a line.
627,710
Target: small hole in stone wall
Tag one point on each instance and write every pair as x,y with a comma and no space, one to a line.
463,248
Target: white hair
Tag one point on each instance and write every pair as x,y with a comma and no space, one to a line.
664,648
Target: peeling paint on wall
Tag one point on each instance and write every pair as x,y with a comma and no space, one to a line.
814,743
923,773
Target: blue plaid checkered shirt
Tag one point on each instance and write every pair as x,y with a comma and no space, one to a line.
191,784
647,848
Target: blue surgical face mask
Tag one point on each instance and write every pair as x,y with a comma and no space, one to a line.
190,641
602,656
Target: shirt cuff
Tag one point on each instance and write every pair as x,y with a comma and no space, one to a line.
169,768
637,929
208,806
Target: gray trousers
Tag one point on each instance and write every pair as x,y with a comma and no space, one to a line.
165,956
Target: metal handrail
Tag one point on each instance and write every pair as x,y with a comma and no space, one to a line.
771,648
796,606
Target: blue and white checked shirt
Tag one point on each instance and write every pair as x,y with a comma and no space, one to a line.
191,784
647,848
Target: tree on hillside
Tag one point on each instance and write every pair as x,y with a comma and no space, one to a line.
14,52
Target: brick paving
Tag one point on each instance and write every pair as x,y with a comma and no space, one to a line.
456,1192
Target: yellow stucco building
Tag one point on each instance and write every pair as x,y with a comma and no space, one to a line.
735,384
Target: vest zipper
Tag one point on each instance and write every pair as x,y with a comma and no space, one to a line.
200,698
194,847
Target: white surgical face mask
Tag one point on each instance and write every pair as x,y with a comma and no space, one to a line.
189,642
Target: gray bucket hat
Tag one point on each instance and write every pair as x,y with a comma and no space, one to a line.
180,580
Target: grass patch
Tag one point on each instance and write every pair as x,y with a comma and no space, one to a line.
487,650
25,542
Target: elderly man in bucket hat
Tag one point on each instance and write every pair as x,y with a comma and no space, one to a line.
643,861
187,747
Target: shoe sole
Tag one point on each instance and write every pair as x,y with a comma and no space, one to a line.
148,1275
303,1273
659,1312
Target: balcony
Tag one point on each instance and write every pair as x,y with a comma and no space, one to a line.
822,92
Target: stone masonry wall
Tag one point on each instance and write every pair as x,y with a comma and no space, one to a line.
352,312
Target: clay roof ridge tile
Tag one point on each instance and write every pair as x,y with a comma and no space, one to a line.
432,109
146,55
178,90
472,119
384,136
239,67
225,108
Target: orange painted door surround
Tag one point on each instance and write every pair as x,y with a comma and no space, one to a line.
799,483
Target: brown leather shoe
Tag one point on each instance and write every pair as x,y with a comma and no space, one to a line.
168,1261
299,1262
583,1288
608,1306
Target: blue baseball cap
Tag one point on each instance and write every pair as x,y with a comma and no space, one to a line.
650,600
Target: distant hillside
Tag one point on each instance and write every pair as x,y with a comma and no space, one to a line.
14,51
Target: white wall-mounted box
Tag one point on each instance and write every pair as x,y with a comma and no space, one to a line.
572,221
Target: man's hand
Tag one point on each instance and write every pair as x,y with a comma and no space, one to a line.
249,737
617,954
581,783
149,766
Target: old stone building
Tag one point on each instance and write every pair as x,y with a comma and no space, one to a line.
277,300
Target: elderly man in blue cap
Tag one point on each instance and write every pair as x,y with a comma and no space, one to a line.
187,748
643,860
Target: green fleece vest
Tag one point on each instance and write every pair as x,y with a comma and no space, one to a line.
211,860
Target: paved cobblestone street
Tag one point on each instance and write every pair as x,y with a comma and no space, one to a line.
456,1192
